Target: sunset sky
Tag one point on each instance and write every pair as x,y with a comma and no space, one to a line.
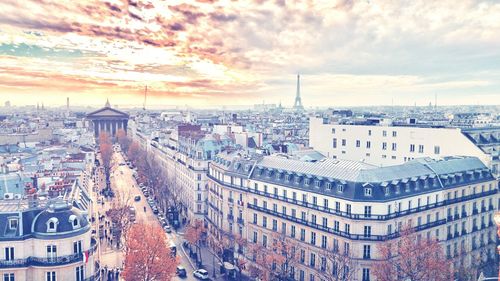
208,53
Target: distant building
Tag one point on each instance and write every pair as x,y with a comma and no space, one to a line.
108,120
385,145
7,104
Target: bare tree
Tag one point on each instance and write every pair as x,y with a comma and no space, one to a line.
120,215
410,258
336,266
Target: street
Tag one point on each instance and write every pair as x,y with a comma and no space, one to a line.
124,184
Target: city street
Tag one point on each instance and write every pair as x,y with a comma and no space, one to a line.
124,184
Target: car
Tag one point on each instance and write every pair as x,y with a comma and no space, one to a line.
137,198
201,274
155,210
181,271
146,194
168,229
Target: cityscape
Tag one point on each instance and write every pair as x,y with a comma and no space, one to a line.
249,140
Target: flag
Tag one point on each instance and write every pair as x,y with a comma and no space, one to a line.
85,256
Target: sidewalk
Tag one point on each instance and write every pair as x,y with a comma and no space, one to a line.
210,262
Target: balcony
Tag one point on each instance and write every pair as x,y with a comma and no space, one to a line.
360,216
342,233
240,221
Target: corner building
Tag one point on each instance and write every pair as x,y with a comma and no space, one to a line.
50,243
350,207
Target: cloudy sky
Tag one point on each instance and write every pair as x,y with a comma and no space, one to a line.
209,53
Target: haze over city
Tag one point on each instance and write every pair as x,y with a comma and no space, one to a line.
307,140
211,53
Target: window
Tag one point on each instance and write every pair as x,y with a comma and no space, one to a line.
437,149
52,225
50,276
302,255
384,146
367,231
368,144
292,231
368,211
346,248
264,221
325,203
344,142
412,148
366,252
325,222
51,251
334,143
275,225
77,247
312,260
9,277
420,148
358,143
255,237
366,274
384,133
369,132
368,191
323,241
13,223
264,240
255,218
79,273
336,226
394,133
328,186
340,188
313,238
347,228
9,253
302,234
394,146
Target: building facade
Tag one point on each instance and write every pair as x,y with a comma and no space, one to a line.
107,120
351,207
48,243
384,145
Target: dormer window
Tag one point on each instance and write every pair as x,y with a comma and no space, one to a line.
307,181
13,223
368,191
297,180
52,224
328,186
318,183
387,191
75,222
278,175
340,188
287,177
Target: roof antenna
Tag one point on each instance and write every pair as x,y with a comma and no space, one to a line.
145,96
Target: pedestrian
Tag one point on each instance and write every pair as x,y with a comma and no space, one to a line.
117,273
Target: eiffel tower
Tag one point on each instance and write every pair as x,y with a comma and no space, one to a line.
298,102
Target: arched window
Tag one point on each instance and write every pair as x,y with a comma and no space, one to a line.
75,222
52,224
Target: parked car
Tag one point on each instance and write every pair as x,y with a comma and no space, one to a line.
155,210
137,198
181,271
168,229
201,274
146,194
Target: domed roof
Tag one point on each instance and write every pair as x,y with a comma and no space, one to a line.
59,217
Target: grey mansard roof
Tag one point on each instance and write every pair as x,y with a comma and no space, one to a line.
32,222
350,179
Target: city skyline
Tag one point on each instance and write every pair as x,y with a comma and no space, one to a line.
212,53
